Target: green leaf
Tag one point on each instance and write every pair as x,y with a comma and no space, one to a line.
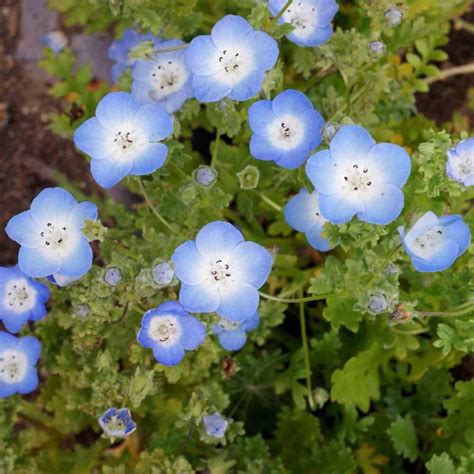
403,435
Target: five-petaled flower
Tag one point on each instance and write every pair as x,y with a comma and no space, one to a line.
117,423
170,331
434,243
460,164
303,214
221,272
311,19
231,61
22,299
285,130
123,138
50,235
357,176
215,425
119,50
164,79
232,335
18,357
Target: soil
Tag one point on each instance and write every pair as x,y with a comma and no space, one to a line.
30,154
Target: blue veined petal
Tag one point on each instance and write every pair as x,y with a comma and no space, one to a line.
326,10
38,312
188,263
217,239
260,116
230,32
23,229
42,290
81,212
264,48
115,109
276,6
424,223
175,101
314,123
79,261
351,144
324,172
38,263
249,86
238,301
252,262
319,36
198,298
52,205
119,49
152,158
154,122
385,206
291,159
30,382
251,323
338,208
392,161
466,147
7,389
107,173
210,88
194,333
13,321
232,340
94,140
116,71
291,102
456,229
143,70
31,347
444,258
299,211
202,56
169,356
315,239
262,149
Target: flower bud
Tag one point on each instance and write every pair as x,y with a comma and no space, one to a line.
163,273
113,276
328,131
205,176
401,315
249,177
81,311
393,15
378,303
377,48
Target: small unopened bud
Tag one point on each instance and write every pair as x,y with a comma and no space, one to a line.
188,193
163,273
113,276
321,396
377,48
393,15
401,315
377,303
328,131
249,177
81,311
205,176
142,51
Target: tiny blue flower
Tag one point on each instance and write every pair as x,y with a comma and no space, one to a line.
285,130
22,299
169,330
393,15
303,214
357,176
113,276
56,41
117,423
18,357
233,334
231,61
205,176
50,235
311,20
434,243
123,138
460,164
163,273
378,303
119,50
215,425
221,272
164,79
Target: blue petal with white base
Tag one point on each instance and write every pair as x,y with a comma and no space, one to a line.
215,425
460,164
232,335
358,177
117,423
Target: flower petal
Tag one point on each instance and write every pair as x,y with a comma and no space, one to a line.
351,144
94,140
238,302
154,122
31,347
392,161
233,340
202,56
38,263
315,239
260,116
252,262
338,208
107,173
82,212
264,47
188,263
79,261
262,148
115,109
169,356
291,102
52,205
210,88
199,298
456,229
299,211
444,258
249,86
323,172
152,158
23,229
194,333
384,206
217,239
230,32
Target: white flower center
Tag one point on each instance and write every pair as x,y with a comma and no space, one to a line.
123,140
234,65
19,296
426,245
165,330
167,78
13,366
57,238
303,17
220,271
229,325
286,132
357,178
463,165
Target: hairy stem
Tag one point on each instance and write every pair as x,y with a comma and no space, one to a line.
452,71
215,149
460,310
304,340
283,10
306,299
271,203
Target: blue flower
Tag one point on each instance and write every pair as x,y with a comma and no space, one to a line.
56,41
117,423
50,235
215,425
357,176
162,274
123,138
23,299
434,243
169,330
233,334
303,214
231,61
205,176
311,20
285,130
164,79
18,358
113,276
460,164
63,280
221,272
119,50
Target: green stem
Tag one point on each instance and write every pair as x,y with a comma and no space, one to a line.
463,24
283,10
465,308
270,202
215,149
295,300
452,71
170,50
304,340
154,210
